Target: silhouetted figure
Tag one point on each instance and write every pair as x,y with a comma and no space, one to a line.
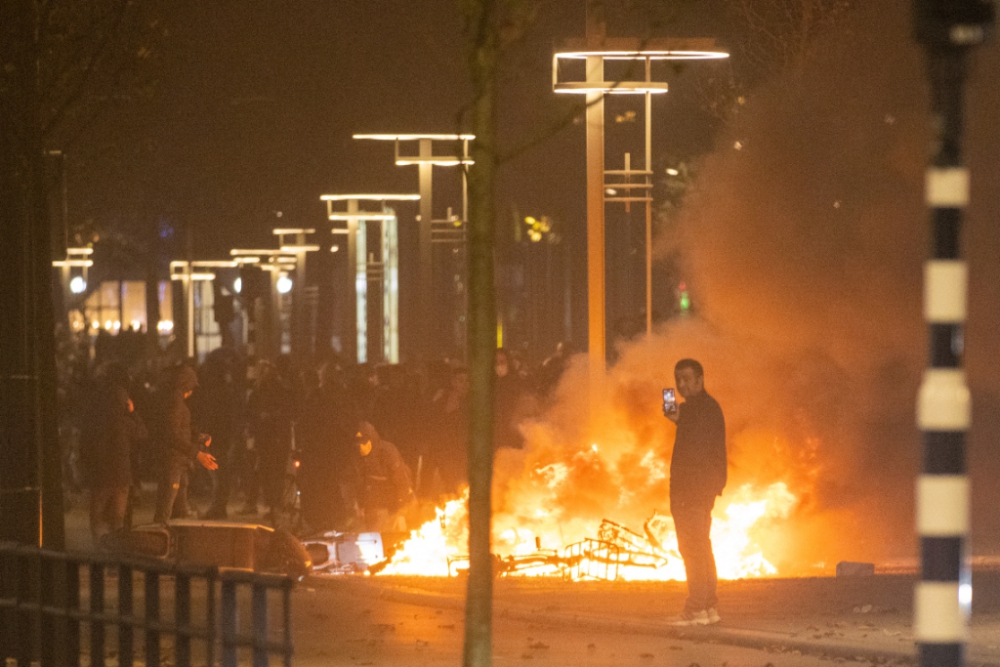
324,437
217,406
181,447
271,409
446,448
110,452
553,368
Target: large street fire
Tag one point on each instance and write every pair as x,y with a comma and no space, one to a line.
798,240
614,552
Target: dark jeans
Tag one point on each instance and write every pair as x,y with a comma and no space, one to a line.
693,521
171,494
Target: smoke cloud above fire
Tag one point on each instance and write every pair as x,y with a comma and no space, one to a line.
802,243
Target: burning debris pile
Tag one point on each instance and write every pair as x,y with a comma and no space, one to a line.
615,553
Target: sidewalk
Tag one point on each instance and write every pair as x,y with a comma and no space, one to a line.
867,619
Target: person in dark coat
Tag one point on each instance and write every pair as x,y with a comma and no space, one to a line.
324,437
111,453
446,450
181,447
217,406
384,479
272,407
697,477
507,399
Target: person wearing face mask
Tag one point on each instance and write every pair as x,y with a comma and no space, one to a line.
385,481
697,477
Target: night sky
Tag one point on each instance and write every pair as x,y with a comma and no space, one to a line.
254,105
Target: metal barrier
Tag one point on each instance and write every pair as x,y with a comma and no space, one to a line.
47,598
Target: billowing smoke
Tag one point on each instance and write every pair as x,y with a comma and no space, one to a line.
802,243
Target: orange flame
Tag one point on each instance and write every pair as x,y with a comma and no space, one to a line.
438,547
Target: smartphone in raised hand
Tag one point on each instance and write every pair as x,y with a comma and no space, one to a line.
669,401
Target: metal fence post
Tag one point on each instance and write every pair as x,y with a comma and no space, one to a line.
49,629
152,589
96,613
27,593
211,629
258,593
182,620
71,607
126,615
8,597
229,622
286,601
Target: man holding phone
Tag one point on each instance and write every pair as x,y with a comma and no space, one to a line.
697,476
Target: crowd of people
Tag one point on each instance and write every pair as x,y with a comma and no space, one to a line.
309,447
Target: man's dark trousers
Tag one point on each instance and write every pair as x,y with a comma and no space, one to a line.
693,522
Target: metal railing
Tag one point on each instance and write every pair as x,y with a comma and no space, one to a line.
131,612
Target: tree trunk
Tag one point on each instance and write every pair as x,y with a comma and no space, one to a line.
482,332
31,506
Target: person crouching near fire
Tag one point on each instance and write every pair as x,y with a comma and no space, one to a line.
385,482
697,476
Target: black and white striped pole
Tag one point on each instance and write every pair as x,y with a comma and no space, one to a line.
943,596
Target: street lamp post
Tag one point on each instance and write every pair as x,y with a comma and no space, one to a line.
360,267
595,49
189,272
449,230
301,345
76,258
274,262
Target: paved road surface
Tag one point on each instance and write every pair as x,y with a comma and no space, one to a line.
341,623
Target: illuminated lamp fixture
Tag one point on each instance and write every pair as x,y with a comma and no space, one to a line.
347,209
284,284
627,49
425,143
249,255
71,262
78,257
297,245
77,285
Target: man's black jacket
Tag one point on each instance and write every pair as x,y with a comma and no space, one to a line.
698,464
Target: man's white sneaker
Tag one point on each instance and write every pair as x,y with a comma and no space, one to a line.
691,618
713,615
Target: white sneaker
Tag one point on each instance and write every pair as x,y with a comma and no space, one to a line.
690,618
713,615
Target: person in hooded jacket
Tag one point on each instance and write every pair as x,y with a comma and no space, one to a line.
385,484
110,455
181,447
